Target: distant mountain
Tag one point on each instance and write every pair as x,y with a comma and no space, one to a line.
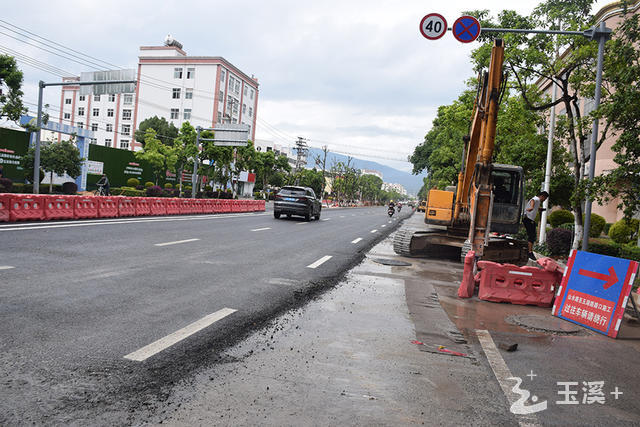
411,183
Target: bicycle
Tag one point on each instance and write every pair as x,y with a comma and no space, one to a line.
100,191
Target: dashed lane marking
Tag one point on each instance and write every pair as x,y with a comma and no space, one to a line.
503,374
163,343
177,242
374,231
326,219
319,262
302,223
359,239
6,267
383,225
261,229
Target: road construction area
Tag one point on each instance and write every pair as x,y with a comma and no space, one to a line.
247,320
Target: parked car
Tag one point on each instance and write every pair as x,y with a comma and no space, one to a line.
422,206
293,200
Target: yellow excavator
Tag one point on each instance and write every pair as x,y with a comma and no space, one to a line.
487,202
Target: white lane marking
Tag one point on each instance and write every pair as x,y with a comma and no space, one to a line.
6,267
163,343
383,225
29,226
302,223
353,214
341,216
176,242
359,239
389,221
320,261
261,229
502,373
374,231
326,219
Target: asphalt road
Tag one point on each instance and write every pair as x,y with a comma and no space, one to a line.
99,316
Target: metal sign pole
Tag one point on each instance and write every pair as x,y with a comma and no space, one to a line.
194,176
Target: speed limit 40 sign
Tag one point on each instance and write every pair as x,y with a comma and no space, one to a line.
433,26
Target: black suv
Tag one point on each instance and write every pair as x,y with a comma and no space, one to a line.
292,200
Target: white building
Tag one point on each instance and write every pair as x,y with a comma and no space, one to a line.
264,145
203,90
371,172
386,186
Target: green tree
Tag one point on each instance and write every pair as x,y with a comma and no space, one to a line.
11,105
370,186
161,157
60,158
165,131
185,150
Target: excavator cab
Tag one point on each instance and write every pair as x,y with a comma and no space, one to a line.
508,190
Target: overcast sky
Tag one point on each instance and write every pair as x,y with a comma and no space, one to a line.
355,75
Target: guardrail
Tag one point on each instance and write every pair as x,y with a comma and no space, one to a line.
27,207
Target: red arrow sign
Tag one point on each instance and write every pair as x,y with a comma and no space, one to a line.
610,279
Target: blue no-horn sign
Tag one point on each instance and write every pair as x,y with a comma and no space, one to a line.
466,29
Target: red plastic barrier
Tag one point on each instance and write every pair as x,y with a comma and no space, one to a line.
235,206
58,207
25,207
198,206
107,207
85,207
5,207
217,205
173,206
550,264
468,284
262,205
126,206
209,206
186,207
143,206
517,285
158,206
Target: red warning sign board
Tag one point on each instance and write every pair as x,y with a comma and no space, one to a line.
595,290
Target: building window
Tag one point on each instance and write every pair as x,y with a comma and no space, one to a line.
244,91
67,101
107,142
110,112
222,75
250,111
191,73
176,93
96,98
175,113
109,127
67,115
128,99
237,88
126,114
221,96
82,98
80,125
244,108
94,127
177,73
234,121
235,107
81,111
188,94
112,97
126,130
187,114
96,112
251,93
93,141
219,117
124,144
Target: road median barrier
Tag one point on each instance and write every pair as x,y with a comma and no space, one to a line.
85,207
5,207
126,206
58,207
108,207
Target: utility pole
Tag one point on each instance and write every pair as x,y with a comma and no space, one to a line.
302,150
323,162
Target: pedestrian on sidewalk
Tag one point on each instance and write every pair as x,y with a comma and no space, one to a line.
529,219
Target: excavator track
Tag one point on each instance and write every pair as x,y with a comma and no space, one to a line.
402,241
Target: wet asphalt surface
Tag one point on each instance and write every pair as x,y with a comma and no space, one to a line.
80,298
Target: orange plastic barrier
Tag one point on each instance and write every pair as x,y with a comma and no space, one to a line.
173,206
158,206
143,206
126,206
58,207
235,206
5,207
198,206
107,207
186,207
85,207
208,206
517,285
468,284
25,207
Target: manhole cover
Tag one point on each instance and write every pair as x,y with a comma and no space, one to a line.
544,324
393,262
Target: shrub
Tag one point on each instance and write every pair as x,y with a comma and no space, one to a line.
187,188
17,187
69,188
148,184
542,249
140,187
133,182
154,191
604,247
127,191
606,228
596,226
5,185
559,241
559,217
568,226
630,252
621,232
168,186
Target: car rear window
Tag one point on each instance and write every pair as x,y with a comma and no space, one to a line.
292,192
